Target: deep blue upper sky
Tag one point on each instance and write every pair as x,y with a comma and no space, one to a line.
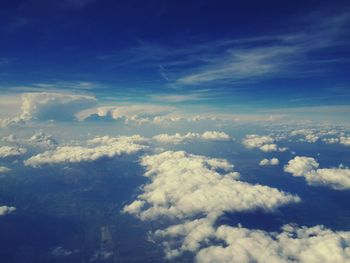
253,54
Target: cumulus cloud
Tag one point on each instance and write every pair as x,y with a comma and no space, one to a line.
293,244
4,169
179,138
272,161
308,135
8,151
100,147
215,135
329,136
190,188
345,140
264,143
54,106
337,178
5,210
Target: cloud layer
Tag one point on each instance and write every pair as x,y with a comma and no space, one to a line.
191,189
264,143
292,244
100,147
179,138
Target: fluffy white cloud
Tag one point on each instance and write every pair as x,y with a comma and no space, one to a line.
292,244
5,210
8,151
329,136
176,138
101,147
215,135
4,169
273,161
179,138
264,143
344,140
337,178
308,135
185,186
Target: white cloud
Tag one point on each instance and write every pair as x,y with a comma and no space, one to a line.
292,244
4,169
179,138
7,151
330,140
5,210
215,135
138,113
176,138
102,147
329,136
241,64
309,135
45,106
269,147
54,106
344,140
39,139
337,178
185,186
273,161
264,143
42,139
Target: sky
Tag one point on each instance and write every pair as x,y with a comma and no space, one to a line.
174,131
235,57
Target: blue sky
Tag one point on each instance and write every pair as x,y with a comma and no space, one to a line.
204,131
227,55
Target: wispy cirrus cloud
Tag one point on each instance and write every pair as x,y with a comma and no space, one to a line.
296,53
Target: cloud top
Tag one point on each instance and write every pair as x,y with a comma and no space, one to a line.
54,106
9,151
196,190
307,167
101,147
